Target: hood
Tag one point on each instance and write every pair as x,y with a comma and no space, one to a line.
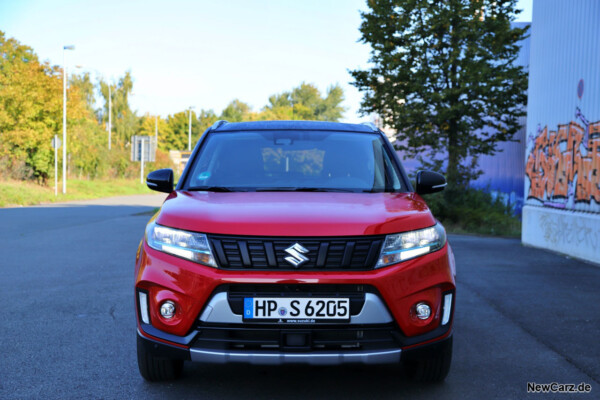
295,213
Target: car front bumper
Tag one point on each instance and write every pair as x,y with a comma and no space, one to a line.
392,356
205,322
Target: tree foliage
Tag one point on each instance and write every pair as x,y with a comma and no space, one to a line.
30,111
176,137
236,111
305,102
31,106
86,88
443,76
87,141
125,122
150,125
206,119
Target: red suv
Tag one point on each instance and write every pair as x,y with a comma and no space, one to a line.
294,242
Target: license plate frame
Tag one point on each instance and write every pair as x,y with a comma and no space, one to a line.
297,310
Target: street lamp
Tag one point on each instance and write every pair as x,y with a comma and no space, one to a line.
70,47
190,131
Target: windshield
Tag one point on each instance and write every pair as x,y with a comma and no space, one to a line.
294,161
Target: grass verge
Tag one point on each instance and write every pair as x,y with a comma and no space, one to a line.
22,193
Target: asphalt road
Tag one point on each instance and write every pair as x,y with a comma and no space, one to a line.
67,328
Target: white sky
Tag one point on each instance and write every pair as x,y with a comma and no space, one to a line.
202,53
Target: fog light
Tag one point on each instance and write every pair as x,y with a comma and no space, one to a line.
167,310
422,310
143,299
447,308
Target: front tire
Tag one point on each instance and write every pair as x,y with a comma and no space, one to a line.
156,369
431,366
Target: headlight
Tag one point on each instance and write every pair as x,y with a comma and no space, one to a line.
407,245
189,245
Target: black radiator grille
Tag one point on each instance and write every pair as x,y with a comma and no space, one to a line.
327,253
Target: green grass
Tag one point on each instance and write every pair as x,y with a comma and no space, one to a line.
21,193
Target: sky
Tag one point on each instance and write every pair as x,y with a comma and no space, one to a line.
202,53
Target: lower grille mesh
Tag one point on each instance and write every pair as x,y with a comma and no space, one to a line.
307,338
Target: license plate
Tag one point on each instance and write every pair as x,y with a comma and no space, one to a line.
296,310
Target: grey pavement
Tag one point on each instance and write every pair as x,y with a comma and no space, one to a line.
68,325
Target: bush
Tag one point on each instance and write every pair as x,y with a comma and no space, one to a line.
468,210
15,169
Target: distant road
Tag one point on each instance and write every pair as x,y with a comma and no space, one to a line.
142,200
68,327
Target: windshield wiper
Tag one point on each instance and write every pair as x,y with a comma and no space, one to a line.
303,189
209,189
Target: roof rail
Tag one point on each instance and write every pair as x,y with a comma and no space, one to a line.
370,125
218,124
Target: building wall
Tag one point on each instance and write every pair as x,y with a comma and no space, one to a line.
562,155
179,159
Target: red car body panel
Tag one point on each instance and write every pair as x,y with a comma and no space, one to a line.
295,213
190,284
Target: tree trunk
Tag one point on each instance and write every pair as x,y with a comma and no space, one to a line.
452,173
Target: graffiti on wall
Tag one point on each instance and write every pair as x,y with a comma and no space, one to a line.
563,165
561,229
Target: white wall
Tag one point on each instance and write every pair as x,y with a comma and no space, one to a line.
572,233
562,158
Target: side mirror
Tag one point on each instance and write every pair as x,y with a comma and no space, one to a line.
430,182
160,180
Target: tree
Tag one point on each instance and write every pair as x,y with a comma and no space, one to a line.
279,108
206,119
30,111
148,125
88,142
306,103
178,131
85,86
443,76
31,114
125,123
236,111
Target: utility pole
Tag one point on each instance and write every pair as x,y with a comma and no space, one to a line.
64,166
109,114
55,145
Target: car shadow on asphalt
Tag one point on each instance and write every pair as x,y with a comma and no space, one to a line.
299,381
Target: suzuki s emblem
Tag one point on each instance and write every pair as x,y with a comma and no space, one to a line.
296,255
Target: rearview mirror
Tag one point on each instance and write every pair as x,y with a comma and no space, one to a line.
430,182
160,180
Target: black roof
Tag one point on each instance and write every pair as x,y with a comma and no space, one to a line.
224,126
